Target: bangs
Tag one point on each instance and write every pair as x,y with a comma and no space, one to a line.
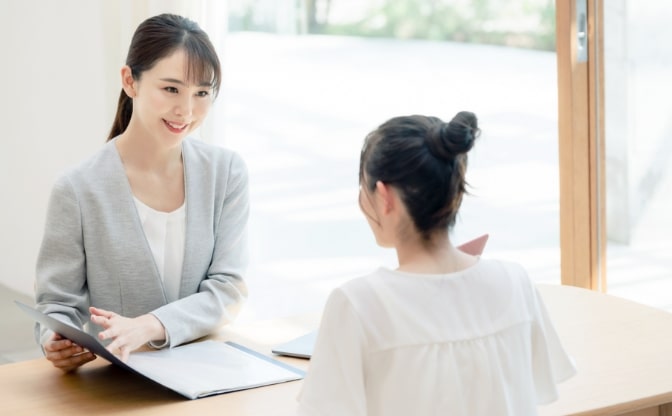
203,67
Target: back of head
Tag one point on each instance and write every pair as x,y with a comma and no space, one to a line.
158,37
425,159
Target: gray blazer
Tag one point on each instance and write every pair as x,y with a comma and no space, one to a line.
94,250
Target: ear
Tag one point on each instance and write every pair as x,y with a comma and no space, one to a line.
127,81
387,197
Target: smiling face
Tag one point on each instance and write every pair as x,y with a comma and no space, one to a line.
167,104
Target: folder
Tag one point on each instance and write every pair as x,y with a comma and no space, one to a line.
194,370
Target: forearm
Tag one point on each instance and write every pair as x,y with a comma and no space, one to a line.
217,303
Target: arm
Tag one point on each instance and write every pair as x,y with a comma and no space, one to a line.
222,291
550,362
60,285
335,383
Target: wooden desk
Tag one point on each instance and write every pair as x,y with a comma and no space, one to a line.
35,387
622,349
623,353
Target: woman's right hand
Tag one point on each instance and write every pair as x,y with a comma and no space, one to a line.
65,354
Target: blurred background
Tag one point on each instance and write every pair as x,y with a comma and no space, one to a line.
304,82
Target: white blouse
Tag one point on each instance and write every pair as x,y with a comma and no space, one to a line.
165,233
475,342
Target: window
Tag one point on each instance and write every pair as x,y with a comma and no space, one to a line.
298,105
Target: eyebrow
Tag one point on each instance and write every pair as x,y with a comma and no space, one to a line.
177,81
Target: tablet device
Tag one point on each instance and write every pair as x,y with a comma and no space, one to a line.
301,347
79,337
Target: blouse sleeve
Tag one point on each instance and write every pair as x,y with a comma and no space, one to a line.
551,364
334,384
60,285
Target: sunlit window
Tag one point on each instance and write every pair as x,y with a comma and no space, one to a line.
304,85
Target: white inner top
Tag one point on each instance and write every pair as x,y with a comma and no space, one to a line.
165,233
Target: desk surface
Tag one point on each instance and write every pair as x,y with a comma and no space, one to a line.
35,387
623,352
621,349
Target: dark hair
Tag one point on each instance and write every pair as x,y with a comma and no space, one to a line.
157,38
425,159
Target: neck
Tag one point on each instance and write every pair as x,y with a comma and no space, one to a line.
434,256
147,155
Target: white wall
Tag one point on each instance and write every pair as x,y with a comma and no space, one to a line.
60,83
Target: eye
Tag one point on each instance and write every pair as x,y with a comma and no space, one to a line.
203,93
172,90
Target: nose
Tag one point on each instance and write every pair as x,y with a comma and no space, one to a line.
184,106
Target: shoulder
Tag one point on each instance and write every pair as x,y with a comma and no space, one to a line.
505,266
361,284
515,272
94,171
99,160
360,293
210,166
218,157
512,278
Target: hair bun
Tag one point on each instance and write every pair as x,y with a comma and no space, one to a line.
448,140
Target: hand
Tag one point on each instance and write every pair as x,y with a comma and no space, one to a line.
65,354
127,334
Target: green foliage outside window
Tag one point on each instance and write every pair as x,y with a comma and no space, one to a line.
518,23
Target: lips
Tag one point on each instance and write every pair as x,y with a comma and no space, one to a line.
175,127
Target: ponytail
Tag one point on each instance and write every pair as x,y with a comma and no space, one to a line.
123,116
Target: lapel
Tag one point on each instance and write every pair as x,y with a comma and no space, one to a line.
190,208
136,245
197,213
198,207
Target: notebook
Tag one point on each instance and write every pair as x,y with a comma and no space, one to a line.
195,370
302,347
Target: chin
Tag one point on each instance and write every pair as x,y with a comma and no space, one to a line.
384,244
176,139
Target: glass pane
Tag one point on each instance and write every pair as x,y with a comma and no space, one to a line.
299,98
638,61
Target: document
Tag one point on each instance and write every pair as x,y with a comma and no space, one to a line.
195,370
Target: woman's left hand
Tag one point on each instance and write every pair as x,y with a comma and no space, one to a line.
127,334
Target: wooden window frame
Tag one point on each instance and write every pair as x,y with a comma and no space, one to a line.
581,148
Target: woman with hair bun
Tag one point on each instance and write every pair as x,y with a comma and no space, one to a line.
446,333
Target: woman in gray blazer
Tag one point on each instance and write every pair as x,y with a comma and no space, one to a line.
145,242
